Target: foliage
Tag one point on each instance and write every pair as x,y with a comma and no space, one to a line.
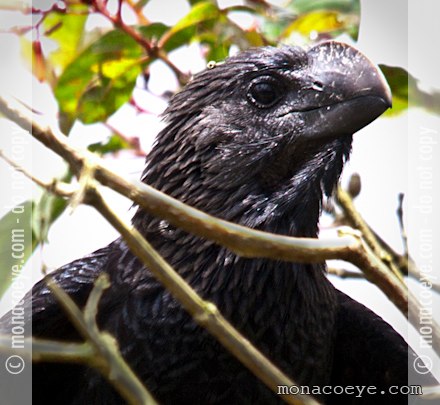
15,245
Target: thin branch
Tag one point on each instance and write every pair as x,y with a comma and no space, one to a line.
151,49
51,351
203,312
402,225
143,20
384,258
355,220
133,141
344,273
107,357
100,350
119,11
100,7
182,77
241,240
66,352
86,175
431,393
402,262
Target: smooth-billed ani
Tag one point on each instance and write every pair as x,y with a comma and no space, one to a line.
257,140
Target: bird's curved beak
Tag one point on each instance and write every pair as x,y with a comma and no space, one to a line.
346,91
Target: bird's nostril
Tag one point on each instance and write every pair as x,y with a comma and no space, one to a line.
318,86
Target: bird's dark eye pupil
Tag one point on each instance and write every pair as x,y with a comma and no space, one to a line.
264,94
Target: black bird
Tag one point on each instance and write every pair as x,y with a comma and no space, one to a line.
257,140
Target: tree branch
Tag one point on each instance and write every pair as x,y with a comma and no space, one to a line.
101,7
51,350
106,355
355,220
389,262
100,350
203,312
151,48
343,273
241,240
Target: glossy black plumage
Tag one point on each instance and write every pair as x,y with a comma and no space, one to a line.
257,140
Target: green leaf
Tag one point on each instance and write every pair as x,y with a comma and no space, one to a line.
322,22
44,214
342,6
200,12
180,38
406,92
397,79
300,18
273,29
114,144
107,94
101,79
47,210
16,243
67,30
319,21
141,4
254,38
218,50
155,31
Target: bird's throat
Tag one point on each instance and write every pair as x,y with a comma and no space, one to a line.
286,309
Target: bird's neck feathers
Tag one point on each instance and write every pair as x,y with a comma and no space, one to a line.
268,186
259,193
271,199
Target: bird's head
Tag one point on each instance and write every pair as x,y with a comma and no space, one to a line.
267,128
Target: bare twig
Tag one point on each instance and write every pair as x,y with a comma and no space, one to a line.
355,220
241,240
143,20
151,48
344,273
106,356
401,264
133,141
431,393
402,225
100,350
51,350
119,12
387,259
101,7
203,312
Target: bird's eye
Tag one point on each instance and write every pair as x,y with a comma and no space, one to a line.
264,93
